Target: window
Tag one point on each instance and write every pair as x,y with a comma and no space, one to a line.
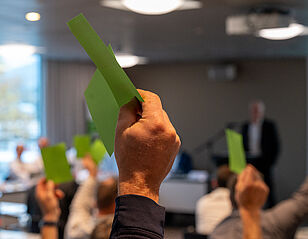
20,91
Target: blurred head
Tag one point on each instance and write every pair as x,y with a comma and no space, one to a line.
43,142
223,176
106,195
257,111
102,230
19,150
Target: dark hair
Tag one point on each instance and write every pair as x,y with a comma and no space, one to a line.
231,186
223,176
107,192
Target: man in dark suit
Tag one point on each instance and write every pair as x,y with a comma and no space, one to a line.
261,144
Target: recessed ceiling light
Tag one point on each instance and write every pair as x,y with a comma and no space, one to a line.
152,7
126,61
283,33
33,16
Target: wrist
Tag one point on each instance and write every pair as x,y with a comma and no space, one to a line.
138,186
250,217
51,217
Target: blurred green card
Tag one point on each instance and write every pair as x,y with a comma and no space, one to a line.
82,145
98,151
237,158
110,88
56,166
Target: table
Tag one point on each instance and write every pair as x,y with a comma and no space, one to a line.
180,195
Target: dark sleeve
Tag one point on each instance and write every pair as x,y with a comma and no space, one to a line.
137,217
245,136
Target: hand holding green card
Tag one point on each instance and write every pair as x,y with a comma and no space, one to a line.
110,88
98,151
237,158
56,166
82,145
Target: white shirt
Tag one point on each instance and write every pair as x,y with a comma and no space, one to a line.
21,170
211,209
254,135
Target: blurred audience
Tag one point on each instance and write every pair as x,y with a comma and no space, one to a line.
20,170
92,195
261,143
212,208
281,221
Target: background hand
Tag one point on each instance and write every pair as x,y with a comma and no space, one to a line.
251,191
48,198
89,164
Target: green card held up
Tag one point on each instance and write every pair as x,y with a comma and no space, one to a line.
56,166
98,151
110,88
82,145
237,158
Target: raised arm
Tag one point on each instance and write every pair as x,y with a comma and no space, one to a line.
48,198
251,194
145,147
81,221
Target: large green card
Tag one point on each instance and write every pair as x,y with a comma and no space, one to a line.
104,109
56,166
98,151
82,145
237,158
110,87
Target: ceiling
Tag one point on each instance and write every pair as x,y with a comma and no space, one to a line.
189,35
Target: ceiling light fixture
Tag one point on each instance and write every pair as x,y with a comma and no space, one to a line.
33,16
152,7
16,51
283,33
126,61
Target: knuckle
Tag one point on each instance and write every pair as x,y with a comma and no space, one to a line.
157,128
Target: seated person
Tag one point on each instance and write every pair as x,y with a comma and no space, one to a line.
19,170
281,221
212,208
84,221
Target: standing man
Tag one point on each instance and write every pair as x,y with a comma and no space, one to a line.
261,144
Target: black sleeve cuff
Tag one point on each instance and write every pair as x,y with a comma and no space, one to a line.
139,216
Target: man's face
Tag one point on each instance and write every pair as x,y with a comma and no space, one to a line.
255,113
19,150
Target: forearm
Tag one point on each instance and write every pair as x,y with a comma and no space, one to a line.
251,224
50,231
81,210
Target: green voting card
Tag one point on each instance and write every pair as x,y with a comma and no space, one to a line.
110,88
98,151
237,158
82,145
56,166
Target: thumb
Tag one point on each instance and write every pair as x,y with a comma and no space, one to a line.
128,115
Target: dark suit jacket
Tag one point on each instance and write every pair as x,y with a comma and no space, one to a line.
269,146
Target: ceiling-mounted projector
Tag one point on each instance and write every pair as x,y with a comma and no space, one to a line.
269,23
